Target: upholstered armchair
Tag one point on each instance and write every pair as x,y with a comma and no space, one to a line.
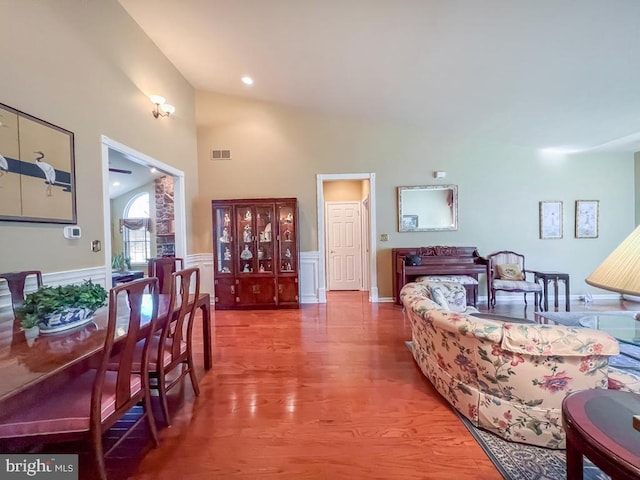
506,271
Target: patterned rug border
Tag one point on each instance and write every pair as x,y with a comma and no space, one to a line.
517,461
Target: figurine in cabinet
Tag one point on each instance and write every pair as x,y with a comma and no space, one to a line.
246,234
246,253
227,219
262,268
287,235
287,253
247,268
247,216
227,253
288,218
267,232
225,238
226,270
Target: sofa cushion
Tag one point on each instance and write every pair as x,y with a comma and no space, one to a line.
500,284
439,297
550,340
510,271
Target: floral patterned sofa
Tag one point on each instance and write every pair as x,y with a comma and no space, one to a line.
508,378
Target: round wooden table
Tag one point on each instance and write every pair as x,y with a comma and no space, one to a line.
599,425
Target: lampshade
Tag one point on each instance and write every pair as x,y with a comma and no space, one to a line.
168,109
156,99
620,272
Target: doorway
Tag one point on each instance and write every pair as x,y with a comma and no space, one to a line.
368,228
344,245
124,164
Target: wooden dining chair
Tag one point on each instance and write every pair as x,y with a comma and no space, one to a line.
16,282
88,405
162,268
175,344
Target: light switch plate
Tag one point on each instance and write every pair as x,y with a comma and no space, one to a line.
384,237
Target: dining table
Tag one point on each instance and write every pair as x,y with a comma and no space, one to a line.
29,368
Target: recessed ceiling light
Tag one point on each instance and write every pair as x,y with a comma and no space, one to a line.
247,80
153,169
116,184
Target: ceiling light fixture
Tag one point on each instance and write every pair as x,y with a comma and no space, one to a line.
153,169
162,109
247,80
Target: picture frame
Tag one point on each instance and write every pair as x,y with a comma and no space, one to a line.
409,222
550,219
587,213
37,170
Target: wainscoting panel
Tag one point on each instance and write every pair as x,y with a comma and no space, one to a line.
309,280
204,261
95,274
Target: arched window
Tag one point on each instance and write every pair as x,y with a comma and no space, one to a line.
137,242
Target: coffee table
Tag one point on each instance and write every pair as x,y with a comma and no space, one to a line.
599,425
623,328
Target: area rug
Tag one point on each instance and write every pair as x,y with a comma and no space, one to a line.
516,461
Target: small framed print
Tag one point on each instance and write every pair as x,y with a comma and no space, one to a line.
587,218
550,219
409,222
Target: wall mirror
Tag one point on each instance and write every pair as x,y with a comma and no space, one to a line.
427,208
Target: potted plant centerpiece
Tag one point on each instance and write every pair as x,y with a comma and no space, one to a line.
54,309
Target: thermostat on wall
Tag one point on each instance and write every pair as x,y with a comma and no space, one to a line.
72,231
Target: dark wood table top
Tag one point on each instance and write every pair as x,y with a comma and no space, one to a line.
24,365
599,424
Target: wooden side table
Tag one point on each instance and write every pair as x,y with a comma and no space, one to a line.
599,425
554,277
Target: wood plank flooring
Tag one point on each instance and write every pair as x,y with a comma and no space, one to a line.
324,392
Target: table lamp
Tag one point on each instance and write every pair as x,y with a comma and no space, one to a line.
620,272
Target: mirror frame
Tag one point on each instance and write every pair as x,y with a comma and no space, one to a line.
454,193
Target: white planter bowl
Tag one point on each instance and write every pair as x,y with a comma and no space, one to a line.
70,318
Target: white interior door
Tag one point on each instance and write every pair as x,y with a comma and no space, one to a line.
344,246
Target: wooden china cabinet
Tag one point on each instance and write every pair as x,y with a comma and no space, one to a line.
255,253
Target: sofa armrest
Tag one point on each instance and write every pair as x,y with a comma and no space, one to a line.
548,340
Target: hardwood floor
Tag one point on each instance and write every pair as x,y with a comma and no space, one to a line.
325,392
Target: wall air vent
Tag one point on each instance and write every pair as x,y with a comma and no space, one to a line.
220,154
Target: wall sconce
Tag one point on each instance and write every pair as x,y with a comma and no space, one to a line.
162,109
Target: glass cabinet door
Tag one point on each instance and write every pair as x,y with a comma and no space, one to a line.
287,242
246,254
265,237
223,240
254,238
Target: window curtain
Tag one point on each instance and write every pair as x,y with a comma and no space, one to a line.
136,224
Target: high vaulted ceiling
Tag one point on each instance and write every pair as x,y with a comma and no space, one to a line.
536,73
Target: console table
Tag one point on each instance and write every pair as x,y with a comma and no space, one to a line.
128,276
600,425
438,260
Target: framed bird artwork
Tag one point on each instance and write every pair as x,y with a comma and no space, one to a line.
37,170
